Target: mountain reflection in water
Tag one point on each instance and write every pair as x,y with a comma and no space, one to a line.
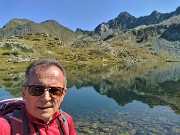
152,84
135,99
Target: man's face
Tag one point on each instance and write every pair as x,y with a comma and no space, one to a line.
44,106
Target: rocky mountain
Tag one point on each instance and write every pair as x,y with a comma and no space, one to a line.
172,33
126,21
15,22
148,38
17,27
158,32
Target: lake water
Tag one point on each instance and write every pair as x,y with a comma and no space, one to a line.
141,99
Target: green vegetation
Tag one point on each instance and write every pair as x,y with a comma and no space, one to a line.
17,52
143,39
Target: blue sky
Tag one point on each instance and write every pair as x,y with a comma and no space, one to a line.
84,14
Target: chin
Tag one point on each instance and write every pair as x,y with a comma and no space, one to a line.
46,117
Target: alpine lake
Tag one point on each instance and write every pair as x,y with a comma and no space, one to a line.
134,99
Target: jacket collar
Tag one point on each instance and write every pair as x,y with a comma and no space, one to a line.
38,121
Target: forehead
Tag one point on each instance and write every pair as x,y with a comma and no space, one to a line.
48,71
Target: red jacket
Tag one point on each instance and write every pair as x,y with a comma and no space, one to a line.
43,129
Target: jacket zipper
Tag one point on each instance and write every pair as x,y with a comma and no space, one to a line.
46,127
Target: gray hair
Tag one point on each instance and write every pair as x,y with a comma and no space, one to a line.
44,61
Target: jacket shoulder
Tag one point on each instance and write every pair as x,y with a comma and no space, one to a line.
14,124
5,127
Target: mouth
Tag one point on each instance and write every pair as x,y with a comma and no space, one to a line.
43,108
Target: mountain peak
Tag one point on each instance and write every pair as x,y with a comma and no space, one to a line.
124,14
50,21
15,21
154,13
178,10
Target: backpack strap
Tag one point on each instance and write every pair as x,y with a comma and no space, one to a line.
37,133
59,126
63,117
64,121
20,114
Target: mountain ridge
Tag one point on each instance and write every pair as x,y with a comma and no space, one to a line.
16,21
17,27
126,21
126,38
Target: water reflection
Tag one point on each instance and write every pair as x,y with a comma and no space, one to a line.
4,94
153,84
11,82
97,114
132,99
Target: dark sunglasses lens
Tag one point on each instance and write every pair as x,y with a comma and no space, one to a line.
36,90
56,91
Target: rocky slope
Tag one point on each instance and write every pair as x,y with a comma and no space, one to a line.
126,38
158,32
16,27
125,21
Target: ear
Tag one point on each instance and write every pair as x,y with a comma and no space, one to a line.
23,89
64,93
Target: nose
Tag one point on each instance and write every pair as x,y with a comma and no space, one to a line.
46,95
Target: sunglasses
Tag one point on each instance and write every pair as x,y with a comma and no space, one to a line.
38,90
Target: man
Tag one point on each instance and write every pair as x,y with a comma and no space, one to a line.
43,90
